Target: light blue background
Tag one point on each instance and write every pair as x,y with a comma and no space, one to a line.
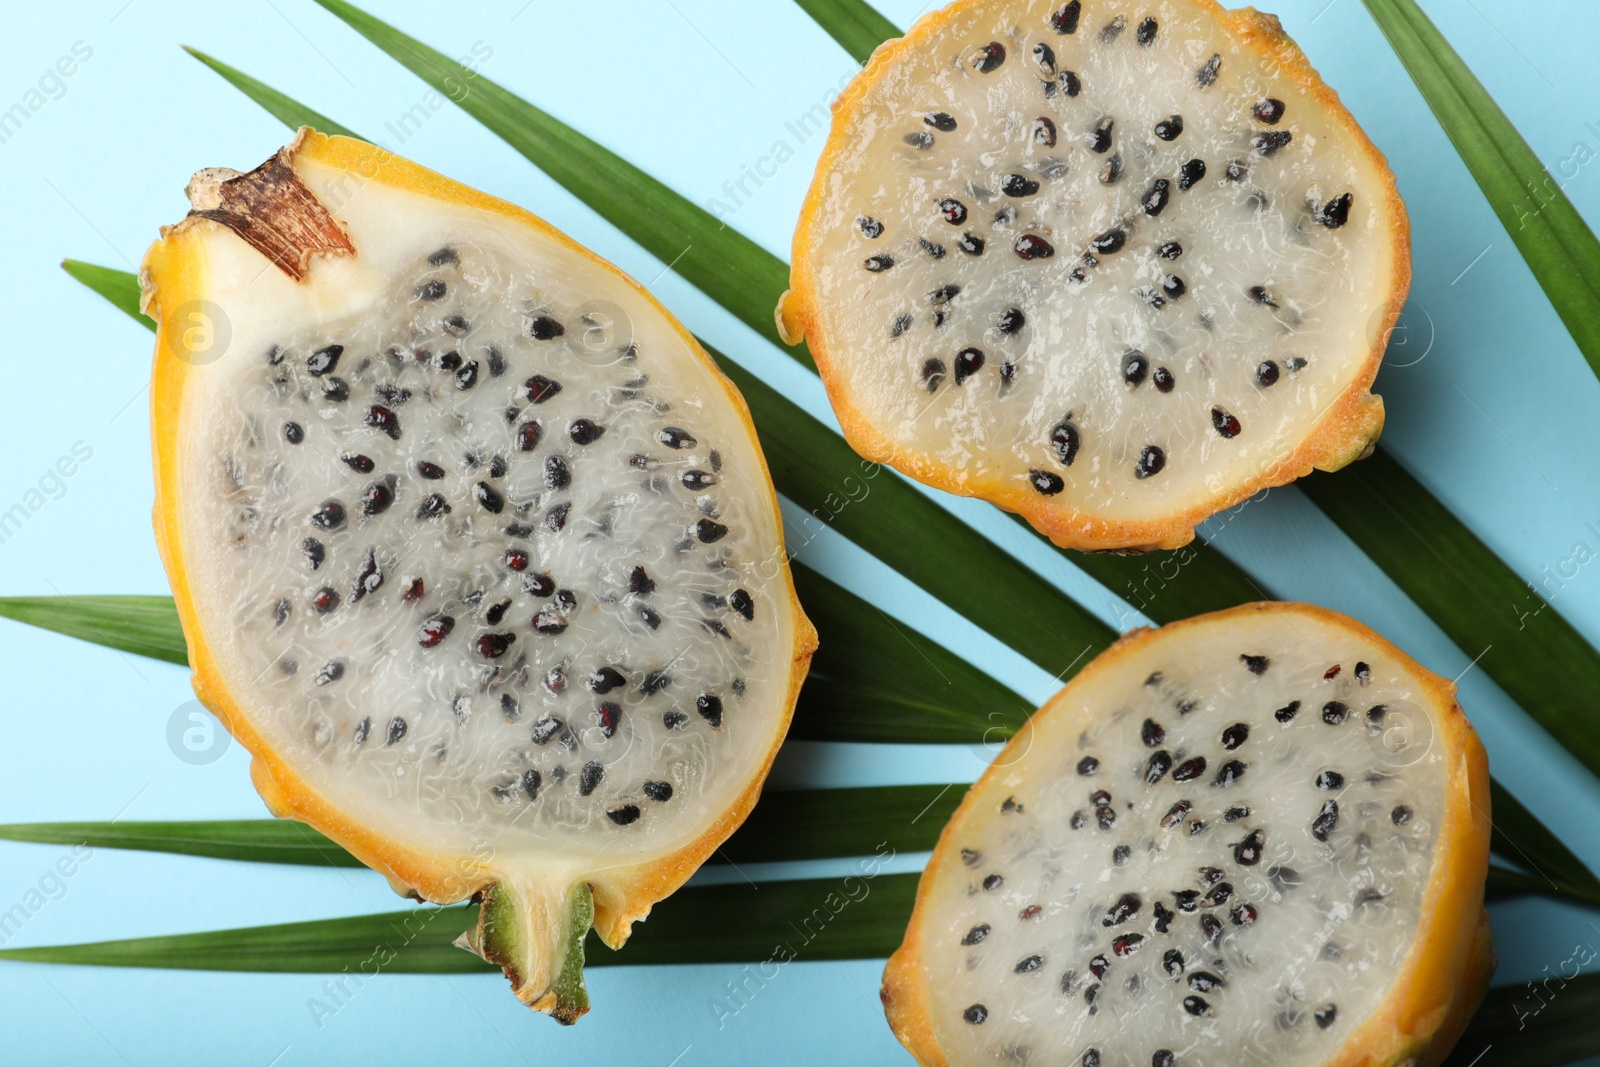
1496,412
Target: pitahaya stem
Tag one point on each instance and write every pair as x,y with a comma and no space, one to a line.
538,942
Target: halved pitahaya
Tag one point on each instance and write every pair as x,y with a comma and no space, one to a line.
1253,837
1113,266
474,547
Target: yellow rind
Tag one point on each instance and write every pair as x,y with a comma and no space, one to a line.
1444,975
1347,430
174,272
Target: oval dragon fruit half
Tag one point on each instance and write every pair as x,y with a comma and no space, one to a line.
1253,837
474,547
1113,266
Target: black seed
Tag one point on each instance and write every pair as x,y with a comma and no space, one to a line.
589,777
976,1014
1126,907
1175,814
1236,171
1330,780
314,551
1152,733
467,376
497,467
1172,963
935,251
1259,294
489,498
710,709
987,59
1099,966
496,361
433,505
1008,374
546,728
1206,76
1100,136
369,577
1325,1015
1011,320
605,680
708,532
544,328
654,682
969,361
1196,1006
1190,174
1078,820
954,211
879,263
1065,18
1334,713
1088,766
972,245
1212,926
293,432
1189,769
381,418
1134,368
361,464
993,882
1126,944
933,373
623,816
920,139
942,295
1400,815
1032,246
673,437
1268,111
1164,916
1110,241
1173,286
1120,854
1155,198
497,612
1229,773
557,475
1169,128
1268,143
1266,373
431,290
1046,483
1294,363
324,360
1070,84
1235,814
1247,853
538,389
585,431
1146,32
1235,735
660,792
450,361
330,515
939,121
1336,212
741,601
335,390
324,600
902,323
1104,817
1151,460
1111,170
1158,766
607,717
1045,58
376,498
397,730
1018,185
870,227
1226,425
1326,820
493,645
1044,132
1363,672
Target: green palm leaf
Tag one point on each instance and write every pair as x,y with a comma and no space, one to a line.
291,113
143,625
1558,246
787,825
856,26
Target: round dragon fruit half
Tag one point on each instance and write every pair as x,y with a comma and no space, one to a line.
474,547
1111,266
1253,837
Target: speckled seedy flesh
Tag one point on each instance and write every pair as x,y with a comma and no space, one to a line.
1114,266
476,546
1239,840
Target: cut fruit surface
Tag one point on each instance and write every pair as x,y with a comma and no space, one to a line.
1253,837
474,547
1111,266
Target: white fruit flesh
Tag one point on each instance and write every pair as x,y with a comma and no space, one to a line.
1283,984
1218,424
447,748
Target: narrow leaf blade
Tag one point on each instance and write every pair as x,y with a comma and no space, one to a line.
291,113
861,916
1557,1025
855,25
1558,246
1522,839
112,284
143,625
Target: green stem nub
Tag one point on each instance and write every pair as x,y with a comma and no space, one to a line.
538,942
